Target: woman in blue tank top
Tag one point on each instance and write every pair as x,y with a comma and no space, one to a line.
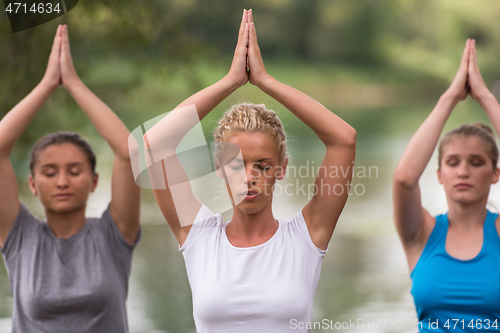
454,258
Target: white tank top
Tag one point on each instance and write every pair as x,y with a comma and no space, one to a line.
263,288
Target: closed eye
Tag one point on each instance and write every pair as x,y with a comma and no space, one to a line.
477,162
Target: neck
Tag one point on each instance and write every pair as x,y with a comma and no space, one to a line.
253,227
467,216
65,225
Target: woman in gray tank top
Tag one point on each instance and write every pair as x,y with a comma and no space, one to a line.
67,273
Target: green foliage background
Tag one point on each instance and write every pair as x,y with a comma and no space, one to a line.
143,58
379,64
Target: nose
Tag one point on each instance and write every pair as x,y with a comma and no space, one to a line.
463,170
62,180
250,174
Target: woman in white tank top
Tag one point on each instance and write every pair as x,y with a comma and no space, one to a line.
255,273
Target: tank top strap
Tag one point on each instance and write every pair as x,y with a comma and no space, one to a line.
437,239
491,237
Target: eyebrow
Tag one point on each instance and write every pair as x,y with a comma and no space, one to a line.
240,160
51,165
472,155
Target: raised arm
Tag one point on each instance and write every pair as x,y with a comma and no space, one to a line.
12,126
322,212
125,194
413,222
205,101
480,93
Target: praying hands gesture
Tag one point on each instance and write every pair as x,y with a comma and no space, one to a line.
413,222
322,212
247,65
125,195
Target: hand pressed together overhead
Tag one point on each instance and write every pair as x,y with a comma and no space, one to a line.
468,80
247,65
60,68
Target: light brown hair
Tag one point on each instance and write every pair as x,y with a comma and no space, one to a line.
479,130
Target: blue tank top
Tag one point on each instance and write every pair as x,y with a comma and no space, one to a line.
453,295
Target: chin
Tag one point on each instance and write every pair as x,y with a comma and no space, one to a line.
251,211
64,207
467,199
252,207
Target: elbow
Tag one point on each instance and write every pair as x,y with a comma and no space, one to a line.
350,137
344,140
402,179
124,154
146,141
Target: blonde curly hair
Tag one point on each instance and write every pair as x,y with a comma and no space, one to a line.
253,118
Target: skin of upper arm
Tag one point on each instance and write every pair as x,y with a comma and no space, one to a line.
167,207
413,222
322,212
9,199
414,251
125,200
188,204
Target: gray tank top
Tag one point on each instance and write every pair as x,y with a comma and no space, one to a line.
73,285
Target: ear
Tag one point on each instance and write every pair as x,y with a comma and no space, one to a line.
32,186
281,174
439,176
219,171
496,175
222,174
94,182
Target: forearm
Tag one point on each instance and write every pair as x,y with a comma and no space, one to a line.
207,99
15,122
419,151
331,129
102,117
490,105
167,133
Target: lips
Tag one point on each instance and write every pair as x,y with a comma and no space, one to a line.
250,194
463,186
63,196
